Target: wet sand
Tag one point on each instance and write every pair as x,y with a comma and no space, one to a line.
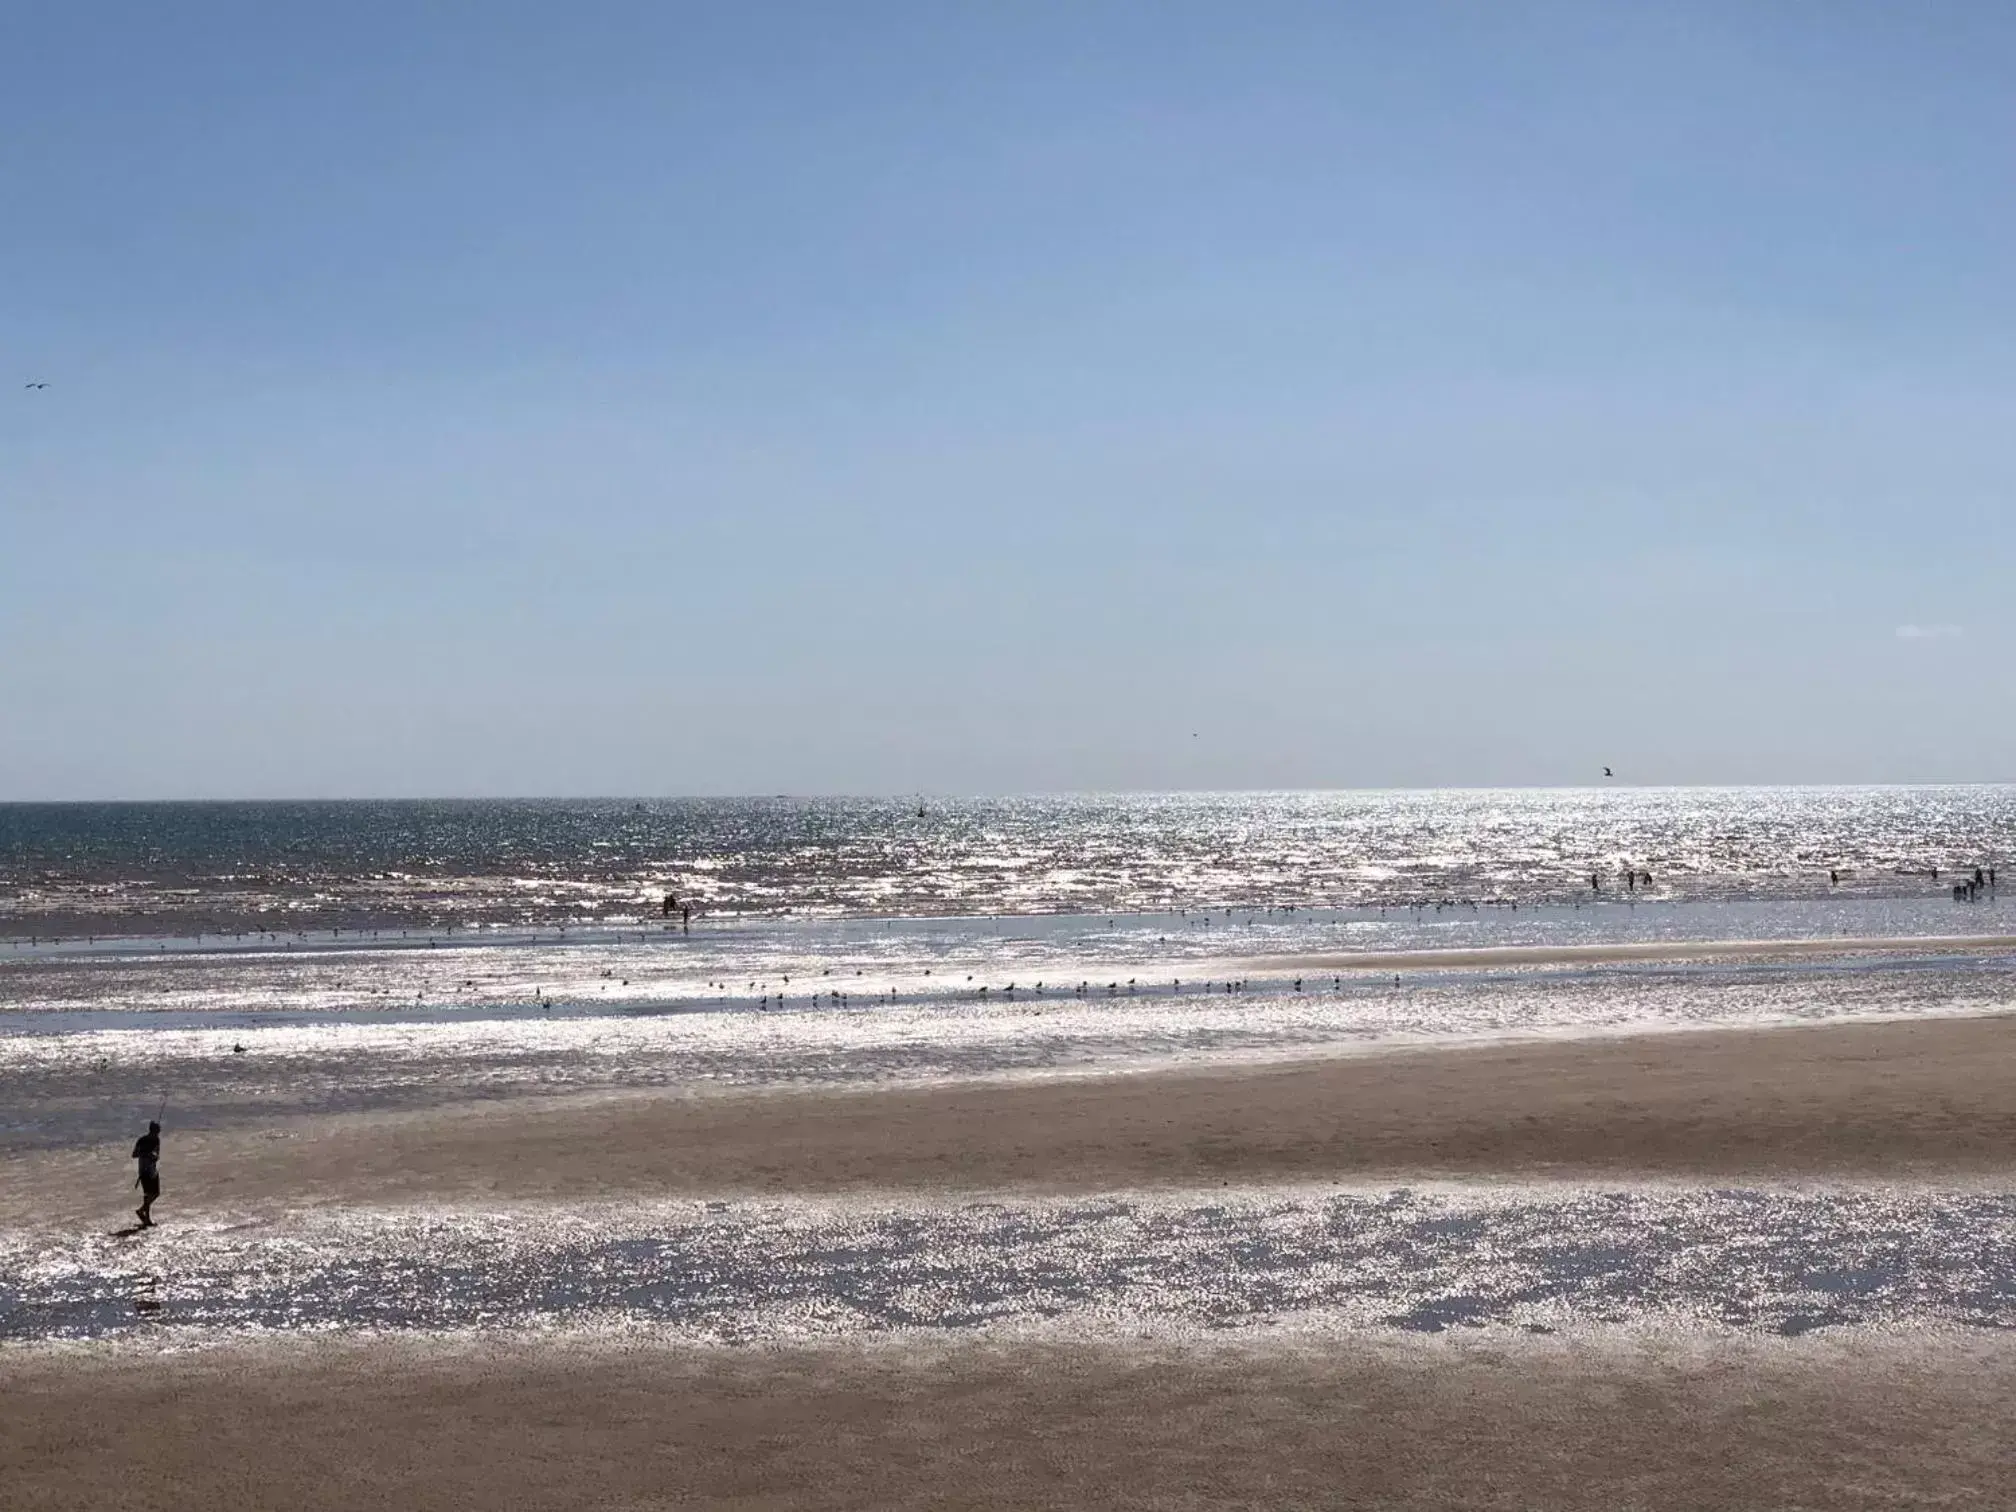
1610,1419
1871,1422
1611,954
1914,1099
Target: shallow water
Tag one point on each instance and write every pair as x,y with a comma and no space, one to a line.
1522,1258
752,962
96,1033
80,1078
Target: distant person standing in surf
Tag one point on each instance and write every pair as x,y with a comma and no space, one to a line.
147,1150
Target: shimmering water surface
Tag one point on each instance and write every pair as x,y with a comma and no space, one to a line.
66,1084
177,868
1541,1259
243,963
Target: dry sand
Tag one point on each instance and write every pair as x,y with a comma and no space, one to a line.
1929,1098
1512,1424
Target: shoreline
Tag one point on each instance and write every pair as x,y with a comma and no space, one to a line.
345,979
27,944
1621,952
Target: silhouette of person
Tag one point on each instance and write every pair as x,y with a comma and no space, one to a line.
665,909
147,1150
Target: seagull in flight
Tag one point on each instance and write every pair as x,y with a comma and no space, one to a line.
1606,771
34,385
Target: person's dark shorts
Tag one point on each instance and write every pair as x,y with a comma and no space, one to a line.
150,1184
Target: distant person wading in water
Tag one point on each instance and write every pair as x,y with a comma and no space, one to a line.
147,1150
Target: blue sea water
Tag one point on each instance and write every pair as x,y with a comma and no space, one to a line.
178,868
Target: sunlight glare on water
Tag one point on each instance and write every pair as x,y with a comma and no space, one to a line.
178,868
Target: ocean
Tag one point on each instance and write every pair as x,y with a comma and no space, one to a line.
235,966
175,869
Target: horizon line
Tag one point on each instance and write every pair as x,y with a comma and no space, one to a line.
927,796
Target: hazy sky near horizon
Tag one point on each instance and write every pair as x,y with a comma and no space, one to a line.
656,398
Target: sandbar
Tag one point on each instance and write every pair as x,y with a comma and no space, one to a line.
1911,1099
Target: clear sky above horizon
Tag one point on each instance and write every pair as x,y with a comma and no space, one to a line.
516,399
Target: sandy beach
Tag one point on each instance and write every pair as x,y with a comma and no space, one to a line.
1627,1423
1632,1417
1907,1099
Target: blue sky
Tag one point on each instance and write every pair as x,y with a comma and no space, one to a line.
883,398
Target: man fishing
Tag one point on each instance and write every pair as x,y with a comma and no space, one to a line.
147,1150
